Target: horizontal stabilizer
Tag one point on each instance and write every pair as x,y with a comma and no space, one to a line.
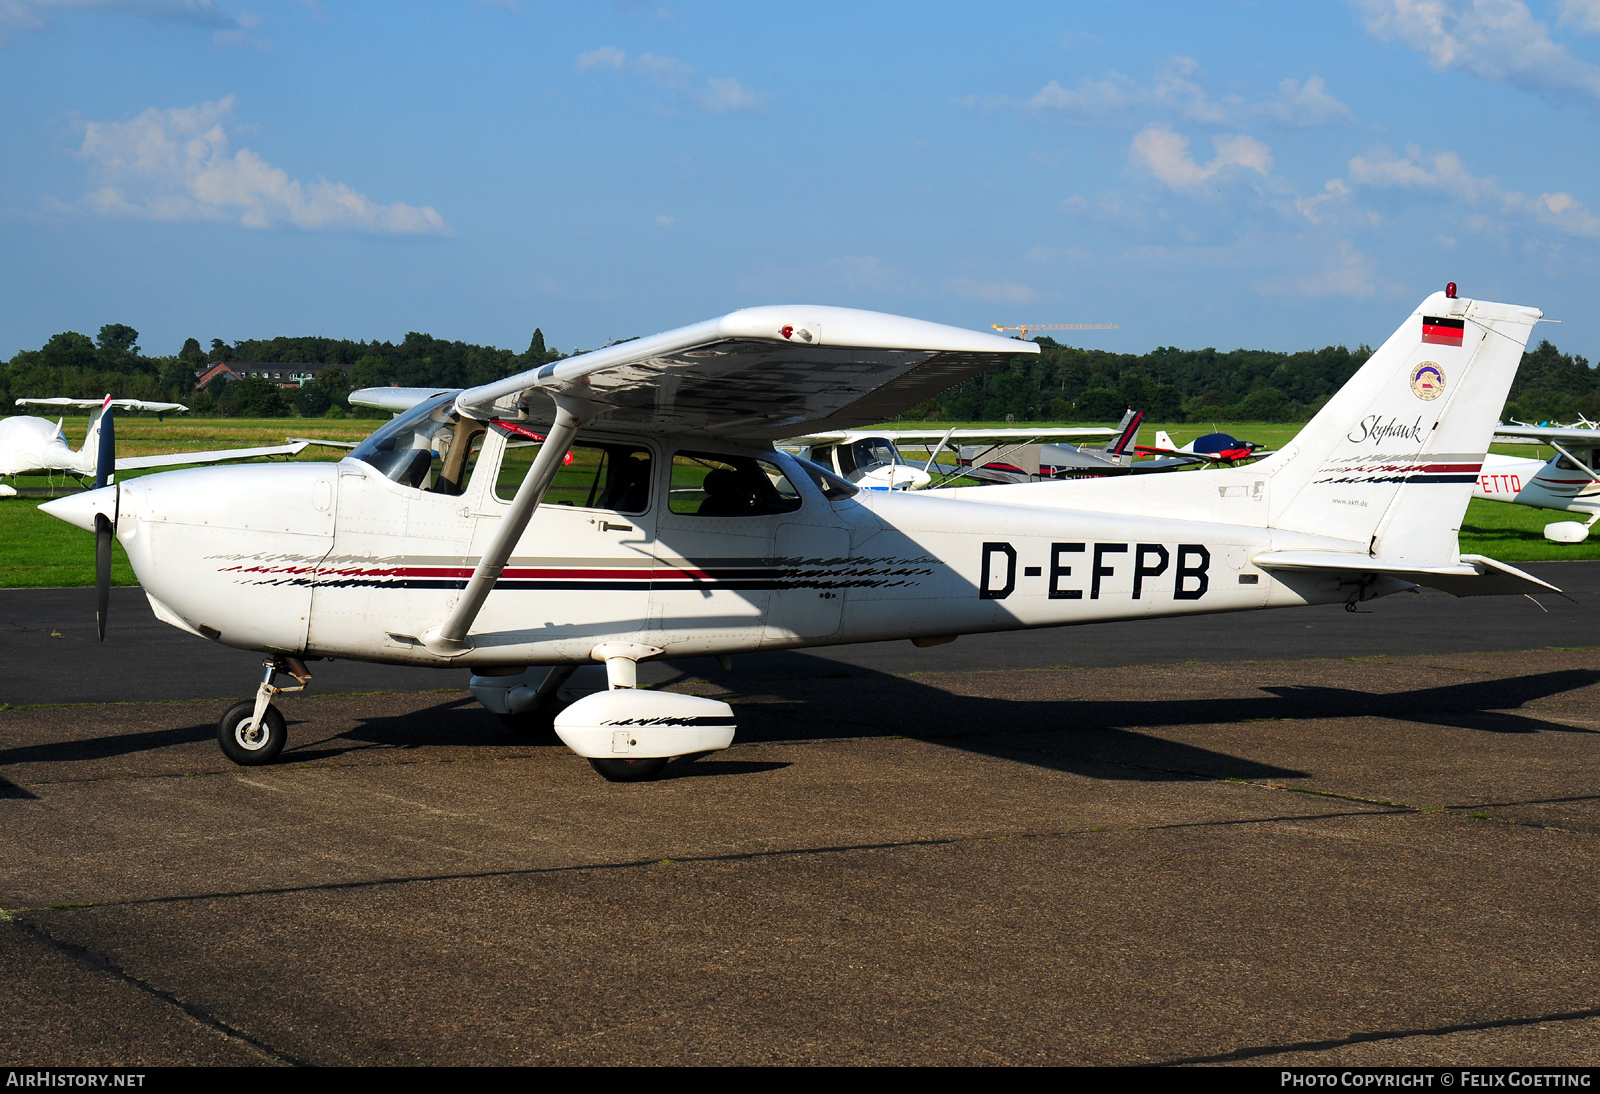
120,404
1474,575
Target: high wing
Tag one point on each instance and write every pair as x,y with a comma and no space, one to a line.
760,374
1569,436
183,459
966,434
120,404
396,400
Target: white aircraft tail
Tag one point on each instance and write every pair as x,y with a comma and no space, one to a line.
1165,441
89,454
1390,461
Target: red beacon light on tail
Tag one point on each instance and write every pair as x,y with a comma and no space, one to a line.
1450,290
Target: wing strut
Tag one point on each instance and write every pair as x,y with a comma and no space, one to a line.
449,639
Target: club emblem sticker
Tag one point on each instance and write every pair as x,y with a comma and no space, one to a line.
1427,381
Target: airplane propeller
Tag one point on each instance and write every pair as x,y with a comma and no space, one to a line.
103,531
105,466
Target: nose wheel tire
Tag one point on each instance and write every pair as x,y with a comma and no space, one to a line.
630,771
251,748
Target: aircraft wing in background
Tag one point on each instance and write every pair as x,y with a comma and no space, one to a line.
396,400
120,404
1568,436
972,434
183,459
322,443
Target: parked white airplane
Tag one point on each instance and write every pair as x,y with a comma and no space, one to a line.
29,444
1033,462
871,459
656,520
1222,448
1567,481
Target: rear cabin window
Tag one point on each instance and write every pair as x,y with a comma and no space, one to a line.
709,485
592,476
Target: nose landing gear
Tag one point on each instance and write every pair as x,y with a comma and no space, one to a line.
253,732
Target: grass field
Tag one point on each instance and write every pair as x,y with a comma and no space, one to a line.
37,550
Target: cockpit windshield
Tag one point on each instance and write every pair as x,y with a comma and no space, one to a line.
429,447
874,451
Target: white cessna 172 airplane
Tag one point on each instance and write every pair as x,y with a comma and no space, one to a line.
1567,481
653,518
29,444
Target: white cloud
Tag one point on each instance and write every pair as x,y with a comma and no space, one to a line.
725,95
991,292
1582,14
859,275
665,221
1307,103
1496,40
1166,155
1351,273
716,95
175,165
1113,98
1177,91
228,29
864,273
1443,173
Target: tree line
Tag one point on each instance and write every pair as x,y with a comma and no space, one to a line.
1064,384
80,367
1060,383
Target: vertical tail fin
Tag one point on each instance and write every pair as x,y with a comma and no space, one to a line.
101,428
1164,440
1390,461
1127,430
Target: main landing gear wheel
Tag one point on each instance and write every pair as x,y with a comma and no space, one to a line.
630,771
252,748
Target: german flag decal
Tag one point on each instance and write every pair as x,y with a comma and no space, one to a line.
1443,332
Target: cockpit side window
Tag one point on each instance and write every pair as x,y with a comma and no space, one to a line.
715,485
591,476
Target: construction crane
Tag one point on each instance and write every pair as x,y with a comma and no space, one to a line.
1022,331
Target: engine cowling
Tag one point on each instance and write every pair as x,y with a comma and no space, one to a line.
632,724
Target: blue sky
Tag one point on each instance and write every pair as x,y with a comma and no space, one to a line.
1227,173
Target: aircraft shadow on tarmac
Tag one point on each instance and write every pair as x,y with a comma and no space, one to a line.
1095,738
